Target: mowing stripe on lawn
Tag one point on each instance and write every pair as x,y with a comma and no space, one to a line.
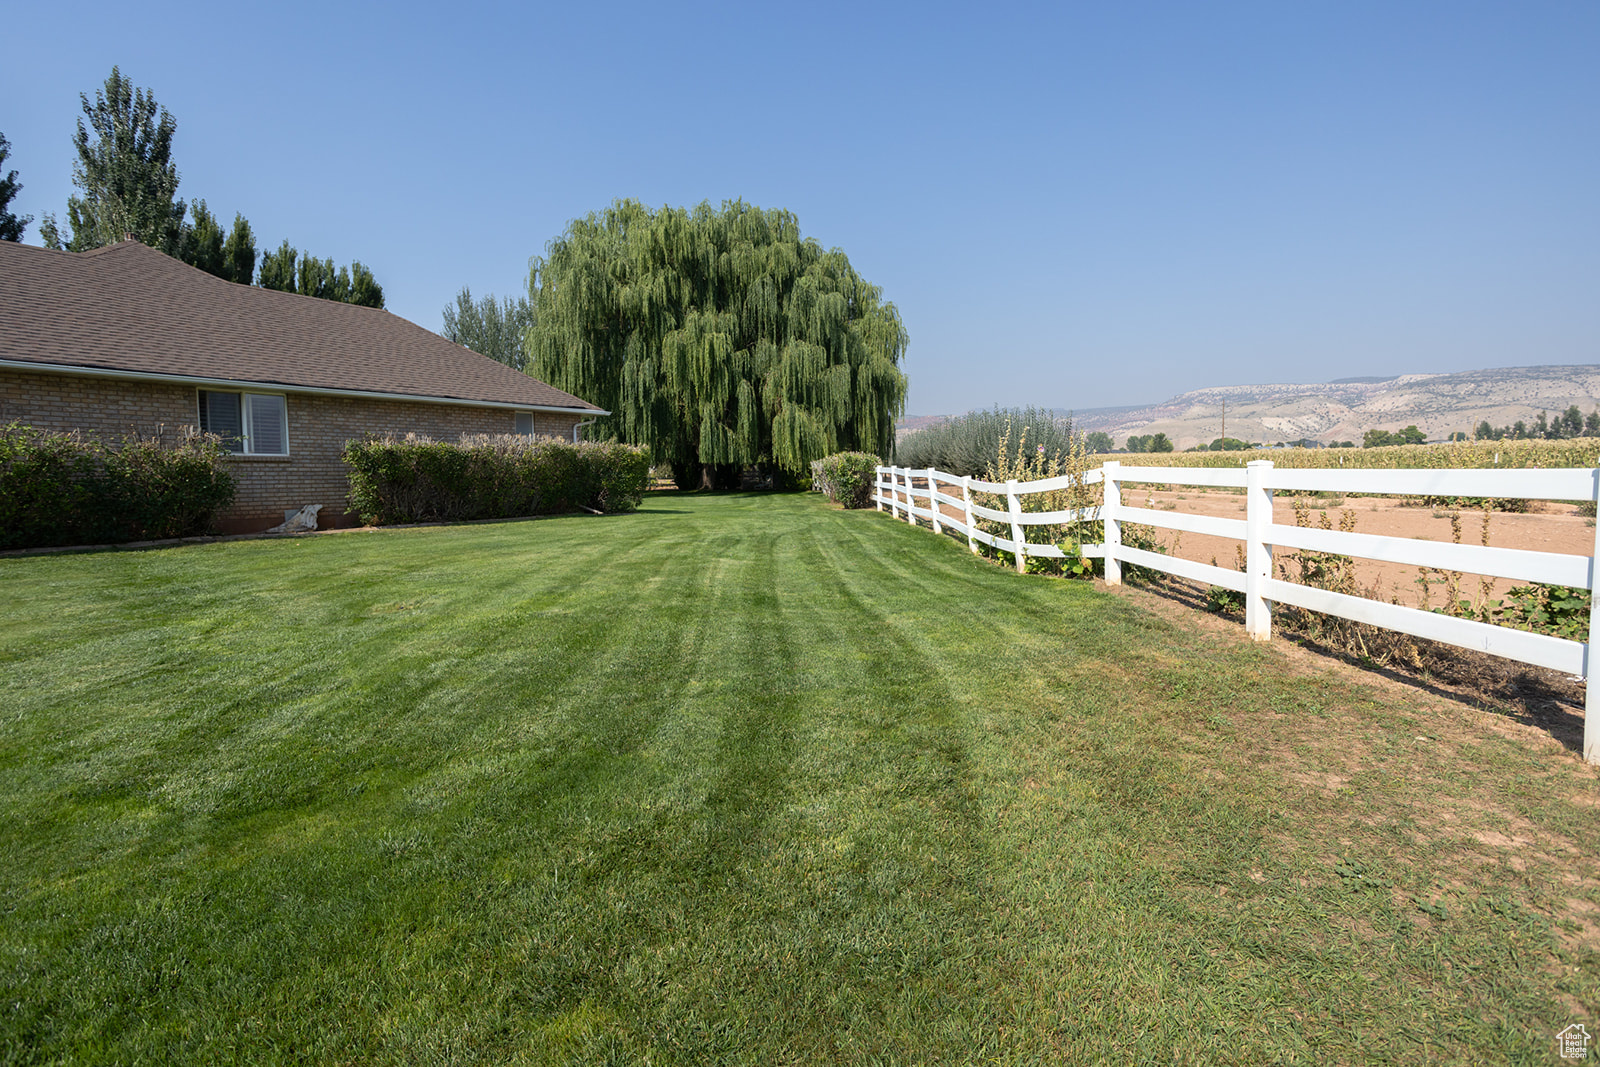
744,779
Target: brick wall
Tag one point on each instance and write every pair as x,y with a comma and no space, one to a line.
110,408
319,426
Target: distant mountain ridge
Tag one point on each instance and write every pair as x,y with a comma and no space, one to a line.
1343,410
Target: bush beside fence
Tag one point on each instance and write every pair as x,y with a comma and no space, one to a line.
846,478
74,489
417,479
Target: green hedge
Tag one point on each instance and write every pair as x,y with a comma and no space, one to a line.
846,477
71,489
417,479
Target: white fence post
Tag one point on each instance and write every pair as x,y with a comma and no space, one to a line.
1015,506
911,516
877,487
933,501
966,498
894,491
1591,693
1110,505
1257,552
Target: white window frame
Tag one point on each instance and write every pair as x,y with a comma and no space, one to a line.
516,417
247,430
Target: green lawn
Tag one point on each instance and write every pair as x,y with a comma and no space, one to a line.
744,779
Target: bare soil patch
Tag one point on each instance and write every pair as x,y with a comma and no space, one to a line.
1550,527
1534,709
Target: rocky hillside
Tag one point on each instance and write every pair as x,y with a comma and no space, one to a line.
1344,410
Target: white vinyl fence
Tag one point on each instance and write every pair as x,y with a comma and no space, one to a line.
898,490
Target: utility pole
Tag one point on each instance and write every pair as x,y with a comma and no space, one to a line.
1224,424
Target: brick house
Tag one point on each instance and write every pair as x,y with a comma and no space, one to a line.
125,340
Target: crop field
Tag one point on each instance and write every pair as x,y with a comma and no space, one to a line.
746,779
1575,452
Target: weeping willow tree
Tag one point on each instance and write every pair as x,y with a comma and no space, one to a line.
721,339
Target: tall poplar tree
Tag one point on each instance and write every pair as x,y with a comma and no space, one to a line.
11,225
125,170
364,288
239,252
277,269
202,244
201,240
310,276
720,338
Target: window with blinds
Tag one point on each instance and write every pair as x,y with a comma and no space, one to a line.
222,414
524,423
268,424
250,424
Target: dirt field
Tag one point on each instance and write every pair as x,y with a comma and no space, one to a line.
1555,528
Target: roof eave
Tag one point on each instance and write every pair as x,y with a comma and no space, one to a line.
280,387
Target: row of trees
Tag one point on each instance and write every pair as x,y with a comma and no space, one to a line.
310,276
1564,426
491,327
1570,423
128,183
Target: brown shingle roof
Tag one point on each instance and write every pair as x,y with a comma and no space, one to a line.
130,308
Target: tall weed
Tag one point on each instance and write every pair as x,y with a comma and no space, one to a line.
1555,610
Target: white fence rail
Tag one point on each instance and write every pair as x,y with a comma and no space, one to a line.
918,495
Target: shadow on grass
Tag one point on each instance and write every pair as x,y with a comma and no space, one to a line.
1546,700
211,539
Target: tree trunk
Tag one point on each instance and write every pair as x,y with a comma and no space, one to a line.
697,476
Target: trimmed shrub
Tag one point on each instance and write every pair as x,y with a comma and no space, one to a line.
73,489
846,477
490,476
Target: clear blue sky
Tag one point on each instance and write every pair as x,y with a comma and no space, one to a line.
1072,204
